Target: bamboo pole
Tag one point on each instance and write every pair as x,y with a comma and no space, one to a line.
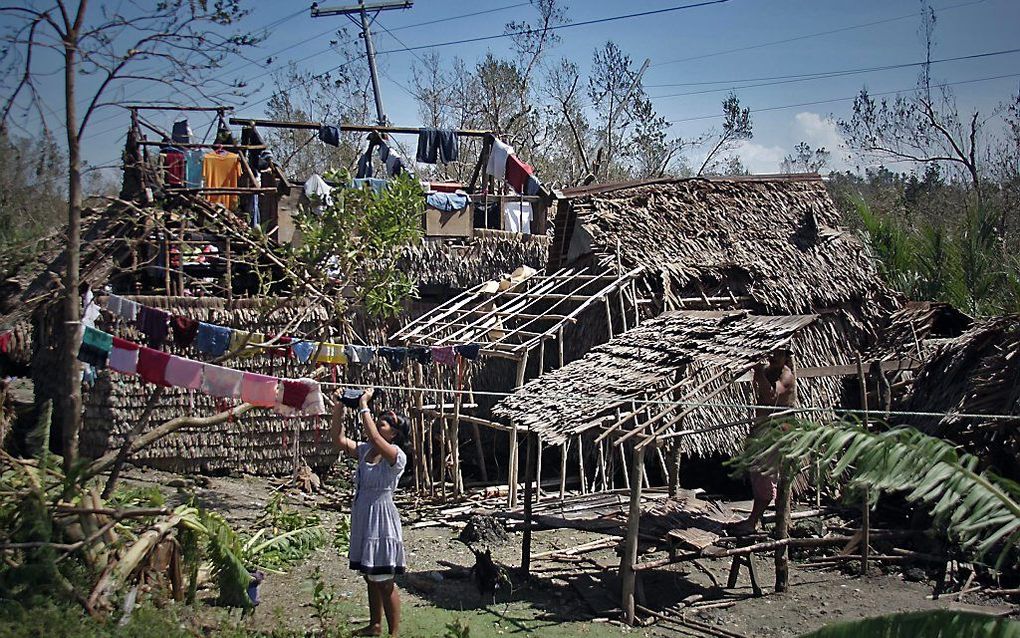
629,559
529,494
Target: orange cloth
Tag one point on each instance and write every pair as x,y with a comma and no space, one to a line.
221,170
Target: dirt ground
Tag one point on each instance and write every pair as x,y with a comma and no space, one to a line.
560,599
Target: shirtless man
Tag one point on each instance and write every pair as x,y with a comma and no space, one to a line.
774,384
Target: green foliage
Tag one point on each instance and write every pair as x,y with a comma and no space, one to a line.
326,603
978,507
342,535
136,496
960,262
457,629
354,241
226,555
287,536
937,623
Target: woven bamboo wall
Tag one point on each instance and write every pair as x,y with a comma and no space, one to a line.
259,443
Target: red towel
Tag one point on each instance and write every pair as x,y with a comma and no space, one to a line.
184,330
152,365
295,393
5,341
174,167
517,173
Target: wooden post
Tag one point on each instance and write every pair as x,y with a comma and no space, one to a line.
602,466
166,264
673,468
458,478
580,464
563,468
783,528
623,313
538,468
783,496
866,500
609,316
512,470
529,492
627,562
441,421
230,273
559,344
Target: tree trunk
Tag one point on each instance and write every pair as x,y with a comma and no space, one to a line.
71,420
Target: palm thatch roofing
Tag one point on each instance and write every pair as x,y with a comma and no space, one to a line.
774,240
977,373
917,328
458,263
674,362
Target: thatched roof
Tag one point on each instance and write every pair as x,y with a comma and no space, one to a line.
39,278
775,239
917,328
462,263
695,354
976,373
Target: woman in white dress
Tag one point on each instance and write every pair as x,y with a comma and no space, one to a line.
377,544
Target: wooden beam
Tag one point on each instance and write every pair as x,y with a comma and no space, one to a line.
347,128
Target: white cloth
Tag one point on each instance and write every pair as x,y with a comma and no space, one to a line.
90,310
497,159
221,382
517,217
123,360
316,187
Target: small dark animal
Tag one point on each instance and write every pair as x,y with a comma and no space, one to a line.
487,575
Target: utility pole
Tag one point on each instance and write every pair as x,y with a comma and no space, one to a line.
362,10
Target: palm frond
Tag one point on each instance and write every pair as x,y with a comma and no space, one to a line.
228,568
979,507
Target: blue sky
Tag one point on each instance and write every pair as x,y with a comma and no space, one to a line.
693,48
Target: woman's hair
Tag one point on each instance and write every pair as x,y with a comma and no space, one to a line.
400,424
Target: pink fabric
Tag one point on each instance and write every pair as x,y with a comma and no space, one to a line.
184,373
259,389
307,391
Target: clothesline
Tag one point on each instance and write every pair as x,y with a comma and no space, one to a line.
288,397
215,340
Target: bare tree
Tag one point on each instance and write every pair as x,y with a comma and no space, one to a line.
173,43
737,126
924,126
340,96
805,159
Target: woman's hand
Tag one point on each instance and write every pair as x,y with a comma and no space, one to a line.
366,396
337,427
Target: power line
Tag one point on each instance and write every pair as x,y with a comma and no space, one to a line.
844,99
822,75
560,27
811,35
503,35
